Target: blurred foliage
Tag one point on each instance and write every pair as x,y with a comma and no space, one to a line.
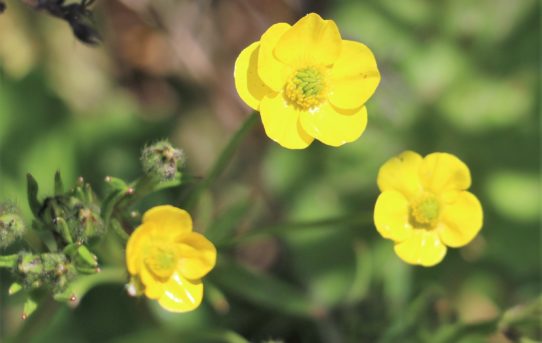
457,76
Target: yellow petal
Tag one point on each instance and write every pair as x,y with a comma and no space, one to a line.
461,220
441,172
273,72
423,247
391,216
247,82
168,219
180,294
333,126
154,288
135,246
401,173
311,41
354,76
198,256
281,123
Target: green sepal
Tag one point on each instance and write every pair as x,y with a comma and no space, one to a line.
14,288
59,186
63,229
87,256
30,306
66,296
116,183
32,194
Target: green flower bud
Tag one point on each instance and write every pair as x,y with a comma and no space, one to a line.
11,225
161,160
53,270
74,217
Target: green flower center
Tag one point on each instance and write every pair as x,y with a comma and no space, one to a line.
306,88
425,210
162,260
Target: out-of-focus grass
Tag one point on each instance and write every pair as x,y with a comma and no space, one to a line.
457,76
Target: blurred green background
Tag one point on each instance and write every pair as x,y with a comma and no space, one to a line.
458,76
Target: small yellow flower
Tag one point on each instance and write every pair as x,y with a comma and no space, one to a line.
424,206
307,83
167,260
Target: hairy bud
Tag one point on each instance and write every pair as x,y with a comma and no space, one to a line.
161,160
11,225
48,269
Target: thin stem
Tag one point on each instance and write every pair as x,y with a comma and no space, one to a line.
223,159
8,261
278,229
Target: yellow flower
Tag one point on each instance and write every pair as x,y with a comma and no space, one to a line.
424,206
167,260
307,83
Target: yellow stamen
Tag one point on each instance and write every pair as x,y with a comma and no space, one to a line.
162,260
306,88
425,210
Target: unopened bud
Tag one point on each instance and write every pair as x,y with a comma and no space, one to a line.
161,160
11,225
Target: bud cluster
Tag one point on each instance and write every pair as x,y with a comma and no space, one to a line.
49,269
76,220
73,215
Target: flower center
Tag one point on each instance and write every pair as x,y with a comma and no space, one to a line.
305,89
162,260
425,210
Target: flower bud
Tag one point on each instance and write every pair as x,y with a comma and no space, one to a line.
161,160
11,225
48,269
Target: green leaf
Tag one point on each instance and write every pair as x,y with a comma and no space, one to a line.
224,226
262,290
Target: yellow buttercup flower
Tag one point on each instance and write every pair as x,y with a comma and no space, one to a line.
424,206
307,83
167,260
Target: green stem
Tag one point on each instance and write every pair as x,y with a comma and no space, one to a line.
8,261
81,286
278,229
223,159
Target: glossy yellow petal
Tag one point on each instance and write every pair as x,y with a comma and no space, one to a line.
154,288
198,256
169,219
391,216
247,82
333,126
461,220
134,247
311,41
423,247
441,172
273,72
281,123
181,294
401,173
354,77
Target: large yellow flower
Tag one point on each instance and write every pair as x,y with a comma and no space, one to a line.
307,83
424,206
168,260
